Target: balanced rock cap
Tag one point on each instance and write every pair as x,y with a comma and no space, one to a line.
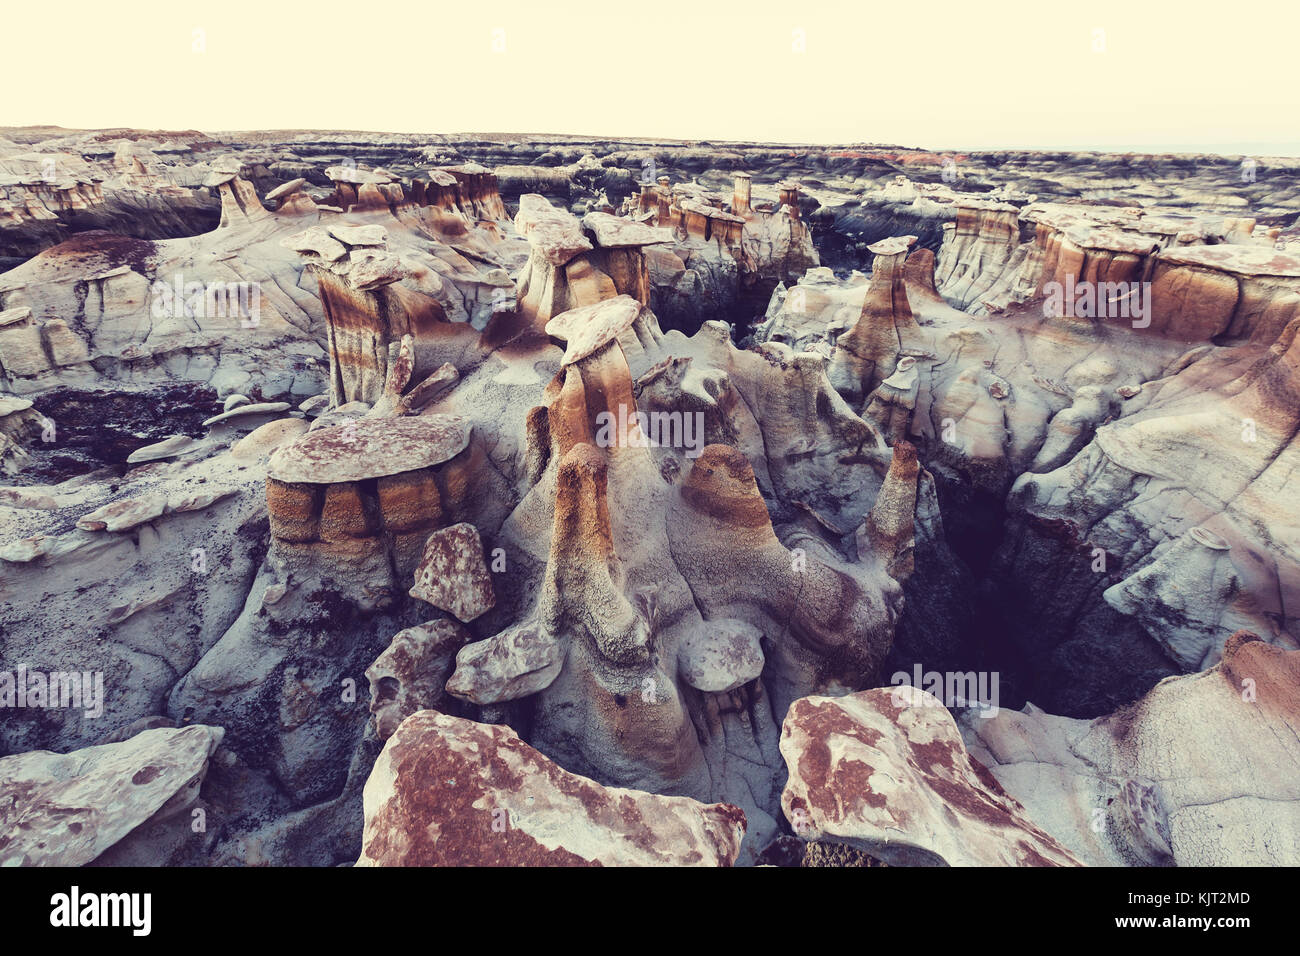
292,186
317,241
370,448
371,234
355,176
904,376
891,246
553,234
591,327
613,232
218,178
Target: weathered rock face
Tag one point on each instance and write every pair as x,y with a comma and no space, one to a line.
452,792
578,264
236,306
127,189
166,549
728,253
468,189
1157,783
468,462
886,772
1208,276
66,810
776,244
981,246
626,512
1232,573
810,316
837,614
383,337
889,529
891,404
148,313
1070,422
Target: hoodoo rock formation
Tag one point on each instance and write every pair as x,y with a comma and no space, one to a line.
466,501
868,353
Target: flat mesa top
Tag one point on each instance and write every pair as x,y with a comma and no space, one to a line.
370,448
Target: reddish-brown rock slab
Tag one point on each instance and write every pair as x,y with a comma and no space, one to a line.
885,771
451,792
370,448
452,575
1239,259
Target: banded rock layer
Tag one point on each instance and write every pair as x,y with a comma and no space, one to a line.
490,474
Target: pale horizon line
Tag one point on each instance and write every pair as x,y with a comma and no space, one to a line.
1226,150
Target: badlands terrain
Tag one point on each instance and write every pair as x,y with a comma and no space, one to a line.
539,500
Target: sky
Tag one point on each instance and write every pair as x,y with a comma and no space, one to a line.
1189,75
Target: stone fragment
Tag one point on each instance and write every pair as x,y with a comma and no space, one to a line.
452,575
515,663
721,655
411,673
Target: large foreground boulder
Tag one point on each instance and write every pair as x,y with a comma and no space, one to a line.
452,792
885,771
